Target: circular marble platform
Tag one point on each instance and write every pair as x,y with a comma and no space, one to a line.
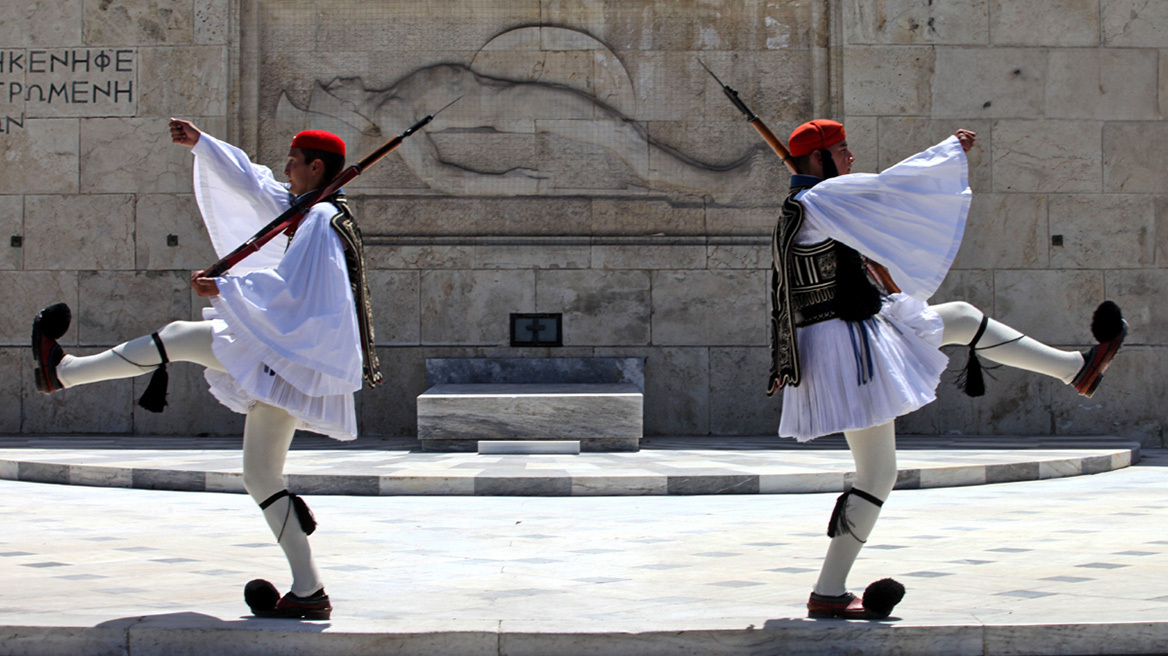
664,466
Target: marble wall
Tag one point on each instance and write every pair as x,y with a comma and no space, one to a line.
590,167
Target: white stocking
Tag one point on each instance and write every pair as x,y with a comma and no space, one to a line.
998,343
184,341
267,434
874,452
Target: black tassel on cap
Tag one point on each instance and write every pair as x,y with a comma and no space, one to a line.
1107,322
154,398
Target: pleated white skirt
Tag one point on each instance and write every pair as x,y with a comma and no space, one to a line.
857,376
249,380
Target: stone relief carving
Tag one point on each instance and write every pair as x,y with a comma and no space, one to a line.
513,97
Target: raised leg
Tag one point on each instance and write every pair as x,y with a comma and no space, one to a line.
1004,345
185,341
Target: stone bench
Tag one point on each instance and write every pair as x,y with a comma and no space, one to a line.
596,401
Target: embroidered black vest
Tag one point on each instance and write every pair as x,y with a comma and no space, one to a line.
346,228
809,284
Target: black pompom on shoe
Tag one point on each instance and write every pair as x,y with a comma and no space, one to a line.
1107,322
1110,329
54,320
881,597
261,597
49,326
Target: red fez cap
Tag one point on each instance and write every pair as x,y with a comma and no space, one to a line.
319,140
814,135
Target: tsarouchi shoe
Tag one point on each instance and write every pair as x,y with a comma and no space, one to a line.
1109,329
49,325
879,600
315,606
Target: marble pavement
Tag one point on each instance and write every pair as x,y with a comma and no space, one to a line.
1062,566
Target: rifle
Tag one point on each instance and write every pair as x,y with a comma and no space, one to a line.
752,118
291,217
876,270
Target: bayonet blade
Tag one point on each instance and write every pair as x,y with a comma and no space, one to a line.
445,106
710,72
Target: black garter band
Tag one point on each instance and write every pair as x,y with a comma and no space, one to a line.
154,397
303,514
839,523
970,380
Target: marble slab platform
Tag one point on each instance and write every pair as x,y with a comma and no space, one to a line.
441,371
603,417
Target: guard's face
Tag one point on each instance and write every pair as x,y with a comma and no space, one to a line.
303,177
842,156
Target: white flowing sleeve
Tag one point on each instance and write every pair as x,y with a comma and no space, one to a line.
910,218
237,198
300,317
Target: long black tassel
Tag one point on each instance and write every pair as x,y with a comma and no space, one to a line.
971,380
303,513
154,398
839,522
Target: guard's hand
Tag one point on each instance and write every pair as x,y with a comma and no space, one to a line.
205,287
966,137
184,132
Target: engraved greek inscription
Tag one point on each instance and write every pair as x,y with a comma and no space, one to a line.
123,63
63,82
11,61
129,90
55,90
77,60
10,122
36,61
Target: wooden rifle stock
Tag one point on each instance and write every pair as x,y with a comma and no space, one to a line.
875,269
774,143
291,217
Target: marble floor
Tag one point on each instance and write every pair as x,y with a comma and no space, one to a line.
1072,565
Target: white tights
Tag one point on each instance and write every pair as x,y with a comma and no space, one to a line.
874,449
184,341
267,431
962,320
267,434
874,452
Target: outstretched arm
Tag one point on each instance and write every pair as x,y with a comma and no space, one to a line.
966,137
184,133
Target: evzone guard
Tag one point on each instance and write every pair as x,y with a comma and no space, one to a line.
853,341
287,340
851,354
